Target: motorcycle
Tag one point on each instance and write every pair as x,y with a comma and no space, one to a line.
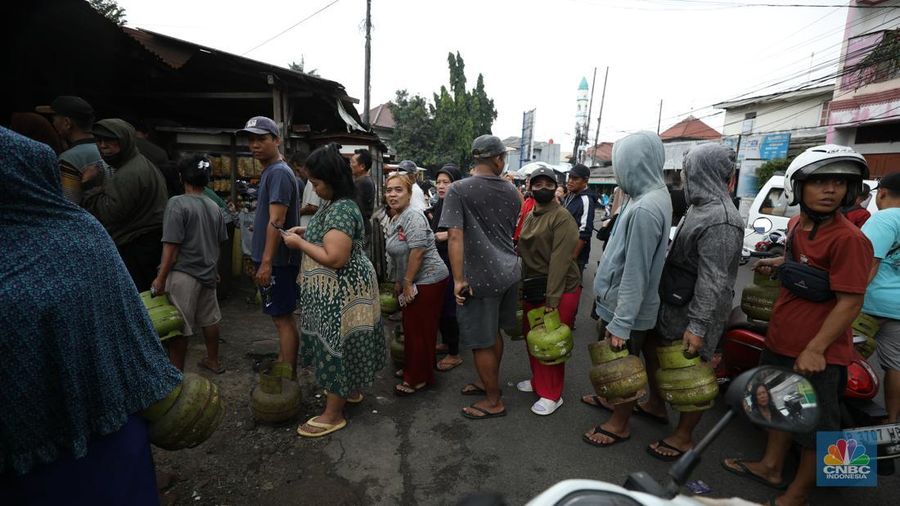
744,341
799,414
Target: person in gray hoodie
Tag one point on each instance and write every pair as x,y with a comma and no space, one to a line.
627,282
707,248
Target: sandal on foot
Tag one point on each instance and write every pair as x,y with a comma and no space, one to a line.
356,400
741,469
544,406
596,401
472,389
640,411
487,414
599,430
405,389
525,386
654,451
204,364
448,363
328,428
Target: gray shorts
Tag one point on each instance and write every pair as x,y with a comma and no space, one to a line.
197,303
481,318
888,344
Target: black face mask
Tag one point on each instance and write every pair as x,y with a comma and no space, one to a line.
544,195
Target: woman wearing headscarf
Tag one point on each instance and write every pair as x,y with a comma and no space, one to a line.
421,281
341,329
80,355
448,325
550,279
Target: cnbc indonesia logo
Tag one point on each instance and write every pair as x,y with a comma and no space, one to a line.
846,460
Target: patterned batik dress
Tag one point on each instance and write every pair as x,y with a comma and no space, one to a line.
341,328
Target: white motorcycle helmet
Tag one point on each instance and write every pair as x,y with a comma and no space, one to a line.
828,159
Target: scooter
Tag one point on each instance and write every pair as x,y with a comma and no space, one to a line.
799,413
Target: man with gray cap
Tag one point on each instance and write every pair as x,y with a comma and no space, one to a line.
418,200
278,208
480,214
73,119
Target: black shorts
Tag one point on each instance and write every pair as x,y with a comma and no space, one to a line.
829,385
635,343
284,291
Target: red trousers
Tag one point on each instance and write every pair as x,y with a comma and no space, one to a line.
420,327
548,380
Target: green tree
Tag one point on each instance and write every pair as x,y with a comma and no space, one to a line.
110,10
454,117
299,67
413,132
768,169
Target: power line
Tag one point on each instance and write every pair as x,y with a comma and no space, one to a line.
736,5
295,25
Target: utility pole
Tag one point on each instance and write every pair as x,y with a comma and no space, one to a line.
600,115
659,119
587,126
367,83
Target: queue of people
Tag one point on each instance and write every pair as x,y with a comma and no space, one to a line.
461,270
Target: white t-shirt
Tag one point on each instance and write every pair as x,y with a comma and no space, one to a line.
309,197
418,200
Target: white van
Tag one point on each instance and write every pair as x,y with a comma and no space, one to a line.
771,204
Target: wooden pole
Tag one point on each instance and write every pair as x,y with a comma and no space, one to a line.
368,84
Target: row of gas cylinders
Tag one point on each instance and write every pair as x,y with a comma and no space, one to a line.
758,300
686,382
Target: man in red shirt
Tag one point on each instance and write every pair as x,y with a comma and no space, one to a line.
856,213
814,338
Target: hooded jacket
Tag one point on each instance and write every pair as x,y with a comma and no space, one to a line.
132,202
627,282
709,244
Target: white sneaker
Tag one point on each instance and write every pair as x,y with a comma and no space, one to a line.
524,386
546,407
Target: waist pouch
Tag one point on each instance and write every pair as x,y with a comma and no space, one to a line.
676,286
805,281
534,289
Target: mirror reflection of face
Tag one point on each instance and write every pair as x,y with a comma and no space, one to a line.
762,396
396,194
442,183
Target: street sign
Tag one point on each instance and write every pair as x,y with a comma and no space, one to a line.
774,146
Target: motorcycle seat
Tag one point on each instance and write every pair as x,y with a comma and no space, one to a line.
738,320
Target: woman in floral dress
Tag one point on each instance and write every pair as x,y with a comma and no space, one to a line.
341,329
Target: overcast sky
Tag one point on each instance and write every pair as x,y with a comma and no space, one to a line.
689,53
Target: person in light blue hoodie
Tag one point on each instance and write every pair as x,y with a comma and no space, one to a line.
627,282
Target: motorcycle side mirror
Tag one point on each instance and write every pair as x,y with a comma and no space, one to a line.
775,398
762,225
771,397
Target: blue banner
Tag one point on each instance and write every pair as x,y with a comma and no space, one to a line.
774,146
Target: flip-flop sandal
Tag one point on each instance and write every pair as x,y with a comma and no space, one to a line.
400,392
599,430
445,368
743,471
203,364
356,400
639,411
472,389
597,402
654,452
487,414
329,428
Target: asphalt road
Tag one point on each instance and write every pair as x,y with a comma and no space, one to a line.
420,450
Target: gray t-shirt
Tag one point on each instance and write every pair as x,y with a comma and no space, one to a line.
486,208
410,230
196,224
